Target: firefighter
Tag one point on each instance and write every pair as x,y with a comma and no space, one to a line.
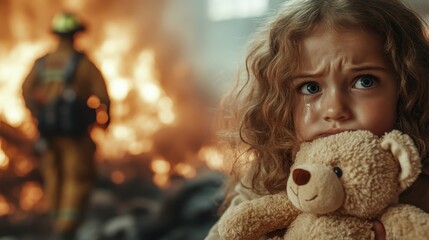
56,91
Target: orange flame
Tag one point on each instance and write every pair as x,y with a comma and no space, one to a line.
141,81
185,170
23,166
31,195
117,177
4,160
5,207
212,157
161,169
15,64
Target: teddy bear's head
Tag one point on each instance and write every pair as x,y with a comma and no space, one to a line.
353,172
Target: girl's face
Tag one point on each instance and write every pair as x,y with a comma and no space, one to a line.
343,82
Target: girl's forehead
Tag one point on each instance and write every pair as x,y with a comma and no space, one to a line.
351,46
323,31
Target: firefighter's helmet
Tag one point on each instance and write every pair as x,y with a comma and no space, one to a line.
65,23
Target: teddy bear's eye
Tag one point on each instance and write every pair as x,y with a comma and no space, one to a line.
338,171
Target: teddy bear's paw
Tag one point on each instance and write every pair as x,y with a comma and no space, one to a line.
406,222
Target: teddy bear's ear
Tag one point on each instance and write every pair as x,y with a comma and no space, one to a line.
405,151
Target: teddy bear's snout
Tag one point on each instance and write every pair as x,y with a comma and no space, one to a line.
301,176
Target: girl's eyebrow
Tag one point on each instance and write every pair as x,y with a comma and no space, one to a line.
306,75
369,67
354,68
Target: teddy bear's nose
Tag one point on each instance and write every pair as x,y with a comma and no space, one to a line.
301,176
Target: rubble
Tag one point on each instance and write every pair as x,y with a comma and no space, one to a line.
135,210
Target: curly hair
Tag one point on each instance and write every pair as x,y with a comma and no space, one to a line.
258,111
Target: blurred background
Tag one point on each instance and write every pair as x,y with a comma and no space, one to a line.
166,64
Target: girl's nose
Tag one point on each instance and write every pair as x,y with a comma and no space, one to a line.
335,107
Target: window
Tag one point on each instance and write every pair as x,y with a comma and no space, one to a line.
219,10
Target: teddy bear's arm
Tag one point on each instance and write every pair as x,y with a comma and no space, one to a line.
405,221
252,219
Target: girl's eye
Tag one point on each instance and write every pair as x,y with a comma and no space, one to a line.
310,88
365,81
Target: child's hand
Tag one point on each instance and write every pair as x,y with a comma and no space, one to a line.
380,232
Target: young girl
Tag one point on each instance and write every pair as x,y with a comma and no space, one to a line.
321,67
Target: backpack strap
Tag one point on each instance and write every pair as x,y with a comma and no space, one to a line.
70,69
40,66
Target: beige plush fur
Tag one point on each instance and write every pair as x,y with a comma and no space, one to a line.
340,184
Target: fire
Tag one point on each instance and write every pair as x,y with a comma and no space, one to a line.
117,177
160,166
212,157
4,160
133,133
161,180
23,166
185,170
5,207
15,64
130,125
121,88
149,84
161,169
30,196
137,148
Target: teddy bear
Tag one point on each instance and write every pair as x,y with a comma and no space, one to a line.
336,187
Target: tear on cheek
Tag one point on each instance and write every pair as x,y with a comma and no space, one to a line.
307,113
